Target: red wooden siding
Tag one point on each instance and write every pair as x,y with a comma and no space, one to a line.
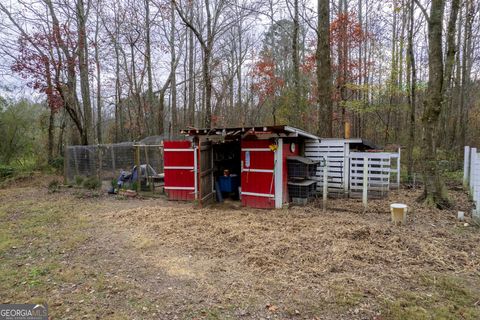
178,169
257,182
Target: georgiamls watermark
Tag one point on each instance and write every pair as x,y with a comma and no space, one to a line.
23,312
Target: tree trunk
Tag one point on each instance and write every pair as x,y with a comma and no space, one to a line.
296,67
83,68
466,62
119,123
173,90
434,190
148,62
412,81
208,88
324,71
51,135
136,95
241,113
99,83
191,73
451,48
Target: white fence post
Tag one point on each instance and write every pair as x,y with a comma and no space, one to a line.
195,172
346,169
473,152
473,166
398,167
476,176
365,183
325,185
466,166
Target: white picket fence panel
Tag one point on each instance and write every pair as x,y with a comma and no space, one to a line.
471,176
378,173
334,152
343,168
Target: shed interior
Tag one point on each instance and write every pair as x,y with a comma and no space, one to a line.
226,168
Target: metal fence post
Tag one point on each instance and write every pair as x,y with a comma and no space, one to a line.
66,157
139,170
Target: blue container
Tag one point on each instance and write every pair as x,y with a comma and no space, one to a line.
228,184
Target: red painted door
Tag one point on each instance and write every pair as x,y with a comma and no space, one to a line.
179,159
258,185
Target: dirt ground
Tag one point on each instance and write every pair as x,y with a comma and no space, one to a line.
89,255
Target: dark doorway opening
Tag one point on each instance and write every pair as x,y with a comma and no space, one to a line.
227,169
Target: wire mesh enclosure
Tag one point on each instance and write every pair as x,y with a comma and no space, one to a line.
302,189
106,161
301,167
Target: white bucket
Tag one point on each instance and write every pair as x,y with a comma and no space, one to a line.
399,213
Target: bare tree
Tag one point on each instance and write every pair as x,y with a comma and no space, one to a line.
207,33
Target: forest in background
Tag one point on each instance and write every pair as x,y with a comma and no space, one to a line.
402,72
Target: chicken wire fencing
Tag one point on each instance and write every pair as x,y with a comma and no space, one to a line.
107,161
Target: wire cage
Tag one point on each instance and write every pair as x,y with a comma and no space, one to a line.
107,161
302,189
301,167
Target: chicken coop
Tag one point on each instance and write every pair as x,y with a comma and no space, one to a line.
245,164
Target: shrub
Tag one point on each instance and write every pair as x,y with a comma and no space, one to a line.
134,186
6,171
79,180
53,186
56,163
92,183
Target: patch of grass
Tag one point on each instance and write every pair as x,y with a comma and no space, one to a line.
453,176
87,194
6,171
345,298
31,239
345,295
212,313
53,186
7,240
442,297
92,183
79,180
35,276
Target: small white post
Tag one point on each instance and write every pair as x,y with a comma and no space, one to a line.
346,168
398,167
278,174
466,165
365,183
325,185
195,172
473,160
475,184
